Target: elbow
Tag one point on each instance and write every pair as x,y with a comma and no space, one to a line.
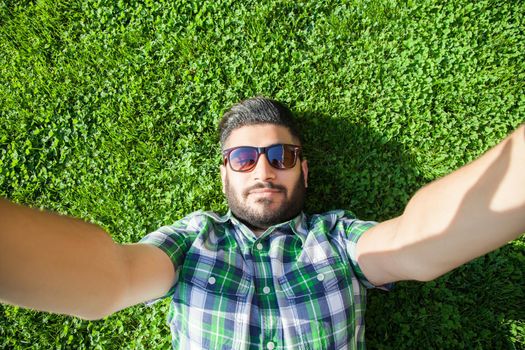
98,312
416,267
108,300
96,315
424,272
104,309
90,316
426,277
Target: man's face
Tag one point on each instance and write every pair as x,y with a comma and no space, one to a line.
264,196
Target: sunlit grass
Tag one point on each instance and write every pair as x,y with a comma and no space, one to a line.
109,110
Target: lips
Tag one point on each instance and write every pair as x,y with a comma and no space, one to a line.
264,193
265,190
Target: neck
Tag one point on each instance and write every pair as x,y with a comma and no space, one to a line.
258,231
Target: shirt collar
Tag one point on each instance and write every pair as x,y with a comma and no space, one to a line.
298,225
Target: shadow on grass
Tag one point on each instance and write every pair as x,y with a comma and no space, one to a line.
479,305
354,168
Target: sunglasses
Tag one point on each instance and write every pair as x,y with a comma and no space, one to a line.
245,158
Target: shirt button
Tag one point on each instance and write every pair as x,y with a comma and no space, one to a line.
266,290
211,280
270,345
320,277
259,246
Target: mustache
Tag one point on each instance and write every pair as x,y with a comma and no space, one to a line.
261,185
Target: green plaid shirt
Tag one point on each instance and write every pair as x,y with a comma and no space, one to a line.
298,286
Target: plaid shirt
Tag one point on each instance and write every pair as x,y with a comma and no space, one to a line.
298,286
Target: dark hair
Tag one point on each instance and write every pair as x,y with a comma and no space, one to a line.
254,111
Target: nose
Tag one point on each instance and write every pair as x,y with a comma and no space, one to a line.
263,171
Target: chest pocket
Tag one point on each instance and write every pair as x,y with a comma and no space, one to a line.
216,276
319,303
314,280
211,292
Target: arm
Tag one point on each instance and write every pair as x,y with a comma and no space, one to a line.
459,217
64,265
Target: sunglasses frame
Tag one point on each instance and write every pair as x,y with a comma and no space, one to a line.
261,150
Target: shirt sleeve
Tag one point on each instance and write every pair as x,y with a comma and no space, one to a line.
353,230
174,240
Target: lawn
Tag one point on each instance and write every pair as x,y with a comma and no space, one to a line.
109,109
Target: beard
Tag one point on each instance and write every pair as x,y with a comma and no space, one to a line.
290,207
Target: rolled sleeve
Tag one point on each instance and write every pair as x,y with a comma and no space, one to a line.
174,240
354,229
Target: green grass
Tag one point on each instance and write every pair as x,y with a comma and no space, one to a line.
109,111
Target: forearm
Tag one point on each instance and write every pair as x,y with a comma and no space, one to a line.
56,263
468,213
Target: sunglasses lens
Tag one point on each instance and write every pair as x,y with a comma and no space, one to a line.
281,156
243,158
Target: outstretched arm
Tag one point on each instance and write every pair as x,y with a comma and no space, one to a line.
455,219
64,265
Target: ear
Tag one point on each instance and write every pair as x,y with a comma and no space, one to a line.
223,178
304,165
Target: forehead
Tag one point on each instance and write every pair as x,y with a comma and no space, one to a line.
259,135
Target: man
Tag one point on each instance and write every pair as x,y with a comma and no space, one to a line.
265,275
